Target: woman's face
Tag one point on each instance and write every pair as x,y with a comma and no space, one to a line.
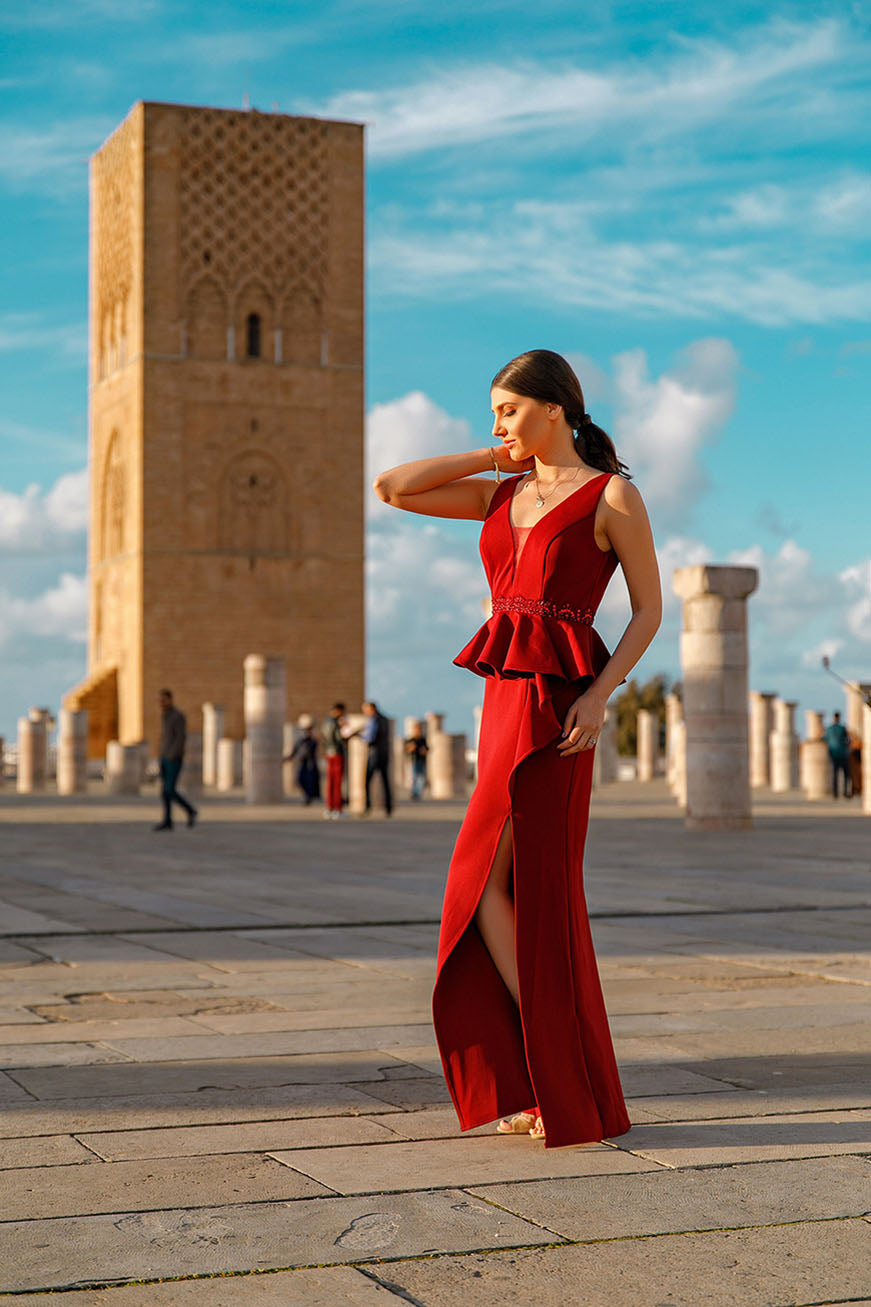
521,423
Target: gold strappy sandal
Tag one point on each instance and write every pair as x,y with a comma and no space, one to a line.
519,1124
537,1130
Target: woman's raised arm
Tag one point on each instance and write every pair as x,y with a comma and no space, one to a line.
445,486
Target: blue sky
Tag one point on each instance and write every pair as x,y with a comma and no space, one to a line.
677,197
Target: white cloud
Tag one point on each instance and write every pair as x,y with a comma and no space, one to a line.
66,504
662,425
53,157
407,429
856,582
44,522
59,612
546,257
790,587
680,93
29,331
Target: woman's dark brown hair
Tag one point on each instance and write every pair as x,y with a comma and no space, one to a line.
543,375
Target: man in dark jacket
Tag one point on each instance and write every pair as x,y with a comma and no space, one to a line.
376,733
172,742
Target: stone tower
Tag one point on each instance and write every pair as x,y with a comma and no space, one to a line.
226,414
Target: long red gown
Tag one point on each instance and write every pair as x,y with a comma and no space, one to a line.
538,652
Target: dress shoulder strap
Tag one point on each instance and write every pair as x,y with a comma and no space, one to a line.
503,492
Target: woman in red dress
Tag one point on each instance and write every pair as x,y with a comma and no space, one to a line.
518,1007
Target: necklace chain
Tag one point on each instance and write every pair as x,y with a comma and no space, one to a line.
541,499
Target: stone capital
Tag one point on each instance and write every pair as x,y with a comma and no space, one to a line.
710,578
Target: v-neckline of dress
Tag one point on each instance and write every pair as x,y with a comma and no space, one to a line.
555,508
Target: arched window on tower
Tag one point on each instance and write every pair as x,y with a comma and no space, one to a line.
252,333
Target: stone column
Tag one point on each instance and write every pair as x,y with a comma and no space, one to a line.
605,753
358,756
854,699
761,726
478,716
72,751
265,704
458,764
32,751
866,759
229,764
190,781
673,715
783,768
679,766
213,730
401,760
289,734
439,763
816,769
714,661
646,744
123,767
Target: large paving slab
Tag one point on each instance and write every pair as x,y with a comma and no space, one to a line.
714,1198
751,1139
241,1137
124,1077
395,1166
30,1116
256,1236
333,1287
218,1059
35,1192
781,1266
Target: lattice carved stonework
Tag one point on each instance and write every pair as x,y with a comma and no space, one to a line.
253,205
114,186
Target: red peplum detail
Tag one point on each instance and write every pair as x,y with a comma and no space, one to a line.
514,643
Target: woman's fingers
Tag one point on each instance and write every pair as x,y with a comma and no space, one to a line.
578,738
579,734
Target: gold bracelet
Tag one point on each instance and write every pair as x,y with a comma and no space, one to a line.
495,464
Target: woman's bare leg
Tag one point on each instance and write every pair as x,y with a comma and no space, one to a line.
495,915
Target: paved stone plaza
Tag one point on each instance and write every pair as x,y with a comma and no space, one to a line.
219,1062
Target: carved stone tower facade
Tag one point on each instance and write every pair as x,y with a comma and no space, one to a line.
226,414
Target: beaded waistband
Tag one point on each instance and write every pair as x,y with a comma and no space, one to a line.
541,608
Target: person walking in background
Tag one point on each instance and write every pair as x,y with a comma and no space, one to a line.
334,752
172,742
416,749
839,752
305,753
376,733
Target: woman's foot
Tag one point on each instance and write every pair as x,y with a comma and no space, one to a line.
519,1124
537,1130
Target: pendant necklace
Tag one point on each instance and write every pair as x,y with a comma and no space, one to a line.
540,498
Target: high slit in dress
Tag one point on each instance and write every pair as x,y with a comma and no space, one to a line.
538,651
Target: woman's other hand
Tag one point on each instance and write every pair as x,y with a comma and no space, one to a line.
583,723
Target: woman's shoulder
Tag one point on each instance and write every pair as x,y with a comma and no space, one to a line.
622,494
